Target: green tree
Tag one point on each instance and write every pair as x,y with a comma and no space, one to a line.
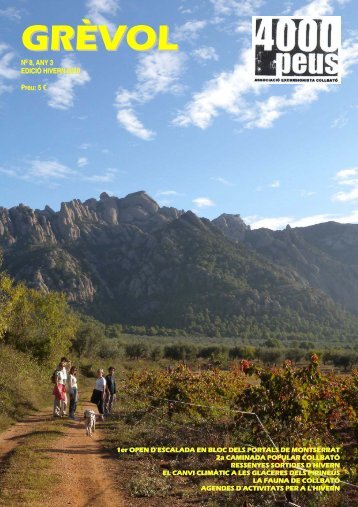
136,350
89,338
35,322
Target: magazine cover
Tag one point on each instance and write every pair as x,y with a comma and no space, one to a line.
178,253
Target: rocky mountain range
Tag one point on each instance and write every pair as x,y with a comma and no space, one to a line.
129,260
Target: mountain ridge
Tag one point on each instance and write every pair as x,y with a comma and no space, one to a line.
130,260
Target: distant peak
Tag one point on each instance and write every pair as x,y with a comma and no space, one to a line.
232,226
104,196
192,218
231,215
138,193
140,198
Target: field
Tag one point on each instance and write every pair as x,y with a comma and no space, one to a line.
175,391
180,405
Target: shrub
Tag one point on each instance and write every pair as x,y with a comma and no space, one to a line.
24,384
136,351
180,352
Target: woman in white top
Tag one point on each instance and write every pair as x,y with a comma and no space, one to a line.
99,392
73,390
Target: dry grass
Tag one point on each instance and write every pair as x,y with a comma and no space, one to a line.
26,475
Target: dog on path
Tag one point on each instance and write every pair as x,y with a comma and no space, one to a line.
90,422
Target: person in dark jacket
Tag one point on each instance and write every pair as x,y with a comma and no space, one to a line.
110,390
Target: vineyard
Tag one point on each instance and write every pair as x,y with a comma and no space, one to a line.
246,405
212,397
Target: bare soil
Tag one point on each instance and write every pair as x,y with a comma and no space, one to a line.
86,474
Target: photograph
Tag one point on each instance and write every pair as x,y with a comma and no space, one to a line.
178,253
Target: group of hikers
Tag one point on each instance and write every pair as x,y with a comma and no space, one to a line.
65,390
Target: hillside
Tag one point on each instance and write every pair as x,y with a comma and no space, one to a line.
130,261
324,255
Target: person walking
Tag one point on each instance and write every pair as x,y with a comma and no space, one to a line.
111,390
99,392
73,391
59,391
66,364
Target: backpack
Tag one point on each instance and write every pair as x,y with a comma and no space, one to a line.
54,377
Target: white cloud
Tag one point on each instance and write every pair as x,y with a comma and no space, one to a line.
349,54
328,217
168,192
50,171
45,169
312,220
256,222
236,7
62,91
265,113
222,93
205,53
287,8
189,31
307,193
82,161
340,122
244,27
7,72
232,92
203,202
316,8
99,10
275,184
281,222
185,10
129,121
348,219
8,172
348,178
85,146
11,13
346,175
103,6
108,176
157,73
164,196
319,7
223,181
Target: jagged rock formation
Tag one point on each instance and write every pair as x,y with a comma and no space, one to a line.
77,220
130,260
37,244
232,226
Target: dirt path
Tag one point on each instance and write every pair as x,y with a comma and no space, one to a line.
14,435
86,474
86,471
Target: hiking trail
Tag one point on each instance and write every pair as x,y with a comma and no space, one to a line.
85,472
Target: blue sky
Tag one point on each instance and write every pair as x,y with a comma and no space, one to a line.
189,127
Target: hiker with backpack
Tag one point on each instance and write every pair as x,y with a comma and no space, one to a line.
59,378
65,372
58,391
